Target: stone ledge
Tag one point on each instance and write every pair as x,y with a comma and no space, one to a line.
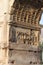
25,25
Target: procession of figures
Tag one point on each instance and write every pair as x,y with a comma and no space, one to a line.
24,37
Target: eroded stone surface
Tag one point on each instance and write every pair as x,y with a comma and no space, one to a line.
15,52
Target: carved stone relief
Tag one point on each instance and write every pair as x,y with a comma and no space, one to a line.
12,34
33,37
20,36
23,37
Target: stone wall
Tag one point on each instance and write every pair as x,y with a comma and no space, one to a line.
5,8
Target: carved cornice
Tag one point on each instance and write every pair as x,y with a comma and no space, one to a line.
25,26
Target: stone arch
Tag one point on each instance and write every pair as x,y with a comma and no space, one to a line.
26,12
23,13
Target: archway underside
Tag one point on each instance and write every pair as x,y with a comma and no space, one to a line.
26,13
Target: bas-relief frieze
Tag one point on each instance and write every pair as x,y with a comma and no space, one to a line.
24,36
